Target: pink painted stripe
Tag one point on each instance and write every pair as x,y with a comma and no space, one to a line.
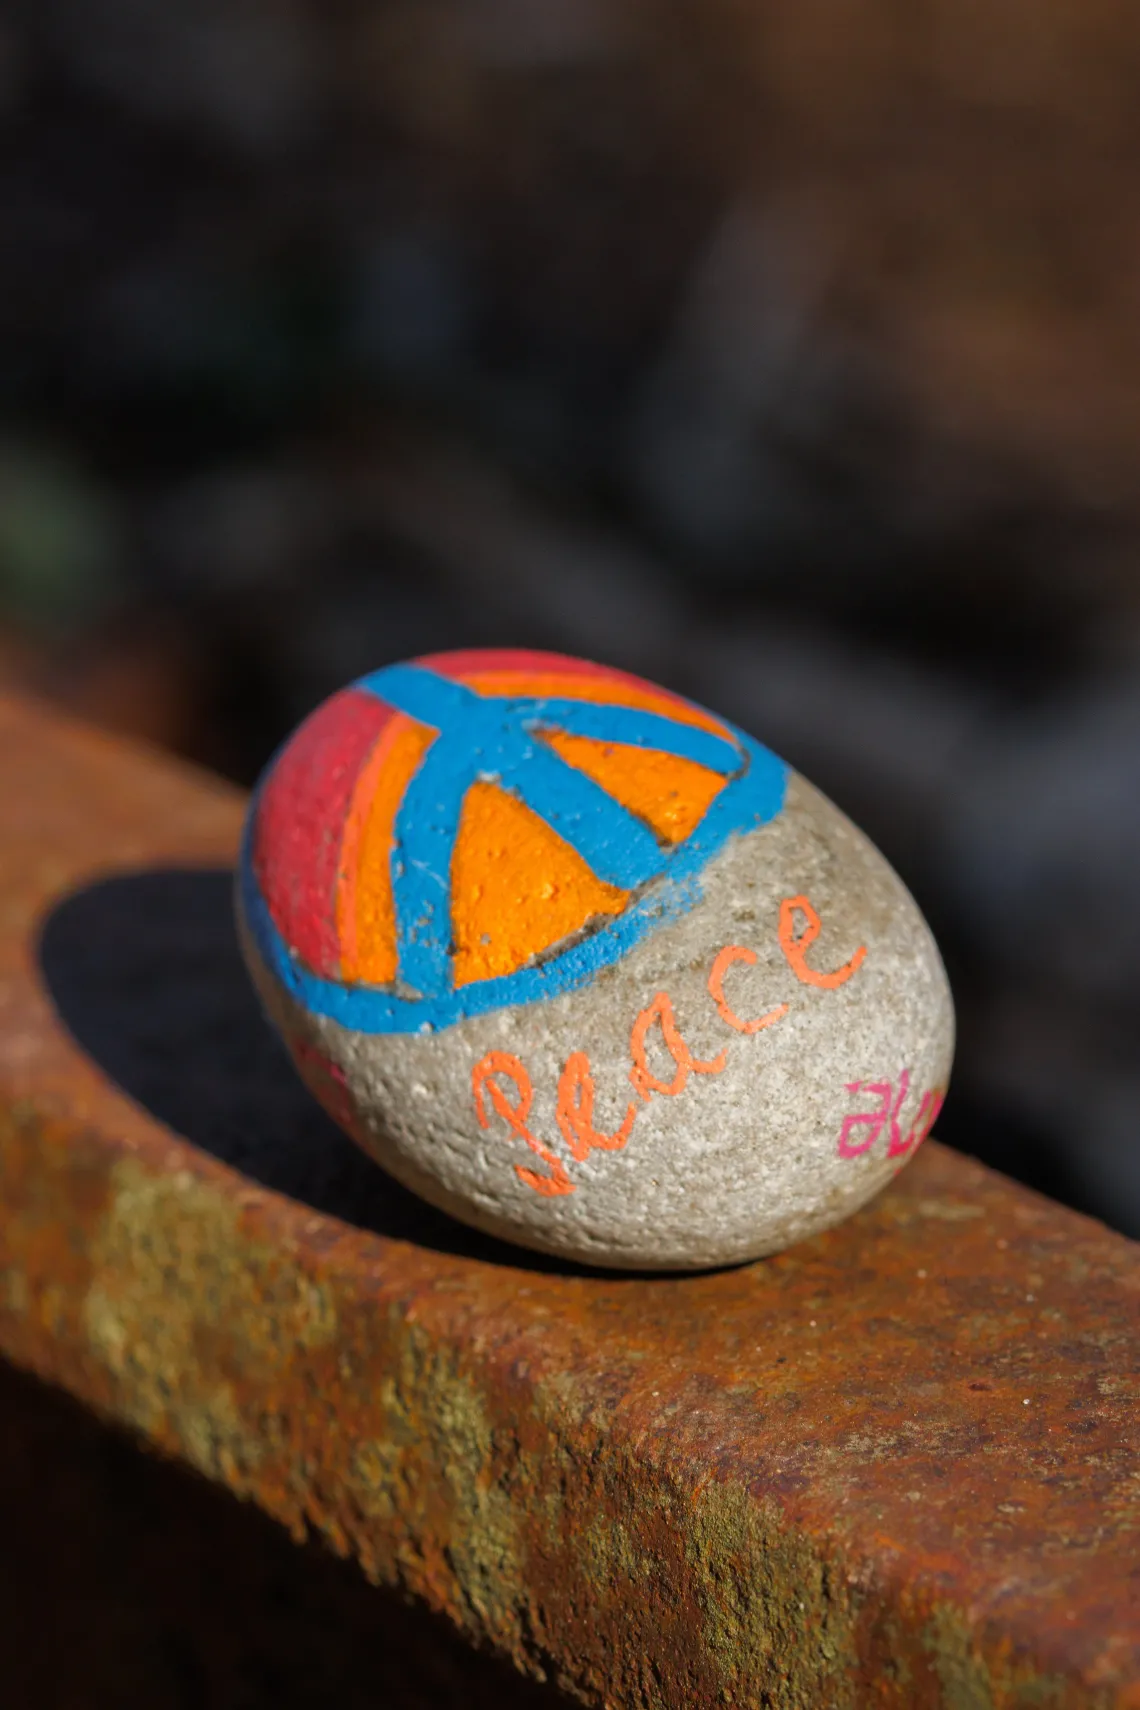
300,822
466,661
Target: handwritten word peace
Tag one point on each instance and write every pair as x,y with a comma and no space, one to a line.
890,1105
574,1110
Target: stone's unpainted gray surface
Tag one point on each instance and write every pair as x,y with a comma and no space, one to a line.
738,1163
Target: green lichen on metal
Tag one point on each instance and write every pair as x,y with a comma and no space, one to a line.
967,1682
183,1313
962,1676
774,1610
441,1422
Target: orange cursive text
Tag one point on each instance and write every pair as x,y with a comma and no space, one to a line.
515,1115
723,962
642,1076
796,946
574,1109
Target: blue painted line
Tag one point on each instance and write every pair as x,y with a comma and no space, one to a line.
423,694
748,801
425,828
619,848
638,729
490,737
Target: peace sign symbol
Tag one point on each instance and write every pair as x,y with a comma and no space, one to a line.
545,793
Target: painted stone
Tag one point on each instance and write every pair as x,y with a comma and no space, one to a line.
588,967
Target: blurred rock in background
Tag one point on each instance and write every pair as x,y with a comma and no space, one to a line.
790,355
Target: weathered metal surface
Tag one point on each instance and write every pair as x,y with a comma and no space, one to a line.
896,1466
171,1595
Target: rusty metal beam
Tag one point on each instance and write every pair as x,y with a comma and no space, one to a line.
897,1466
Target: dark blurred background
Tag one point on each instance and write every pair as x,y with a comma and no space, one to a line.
788,354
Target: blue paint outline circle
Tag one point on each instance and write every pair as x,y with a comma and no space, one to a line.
748,801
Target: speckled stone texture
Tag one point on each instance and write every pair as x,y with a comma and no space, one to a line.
750,1152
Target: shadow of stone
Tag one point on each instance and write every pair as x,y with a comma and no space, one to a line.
145,971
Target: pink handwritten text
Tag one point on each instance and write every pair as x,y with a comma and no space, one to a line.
861,1129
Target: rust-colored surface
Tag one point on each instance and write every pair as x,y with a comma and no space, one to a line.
171,1595
897,1466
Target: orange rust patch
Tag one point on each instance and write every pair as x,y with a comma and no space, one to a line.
516,886
670,794
366,913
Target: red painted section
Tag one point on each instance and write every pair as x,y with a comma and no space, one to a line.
464,661
300,821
